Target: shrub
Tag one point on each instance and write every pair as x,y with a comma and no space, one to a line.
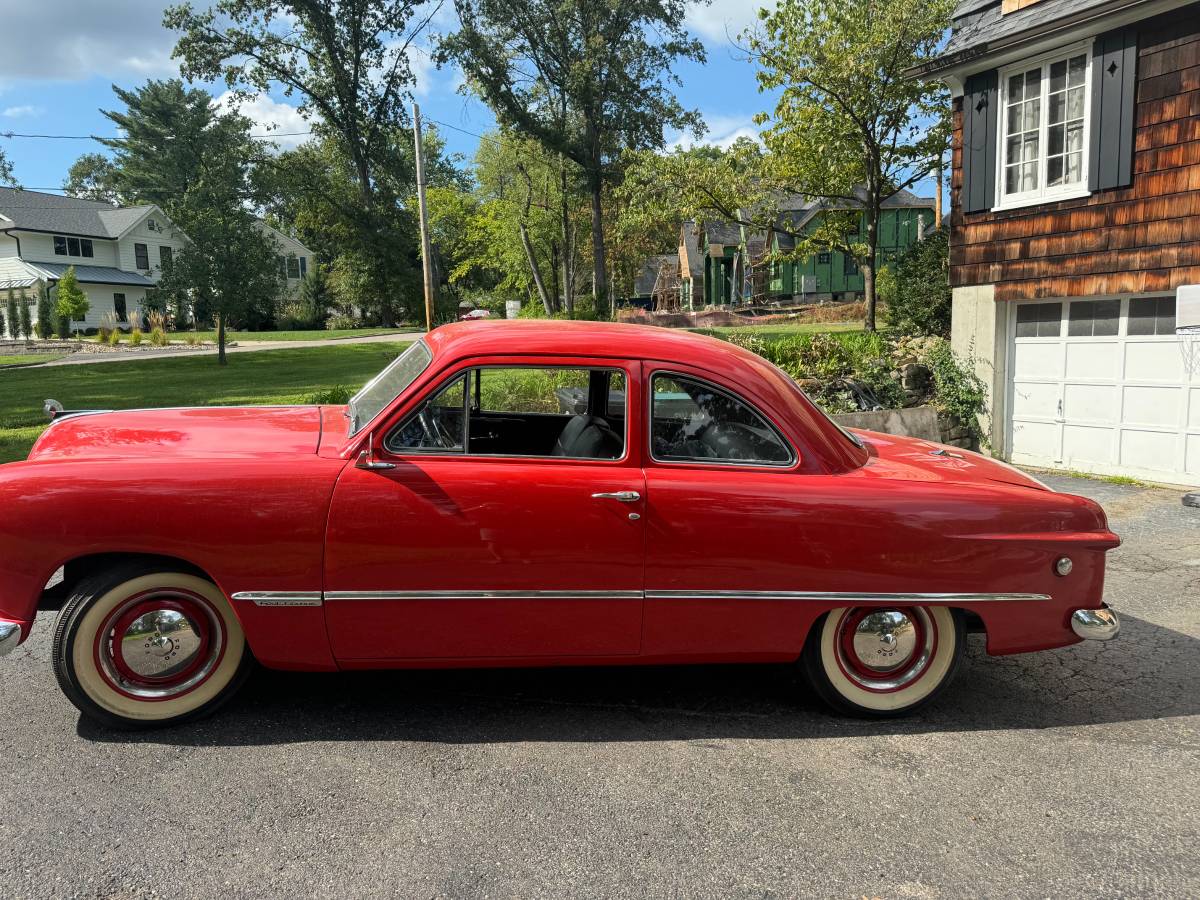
920,301
958,391
341,322
13,317
135,336
26,319
114,337
45,312
108,324
157,320
337,395
158,337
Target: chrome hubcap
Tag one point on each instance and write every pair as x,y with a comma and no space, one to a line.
885,650
885,640
161,643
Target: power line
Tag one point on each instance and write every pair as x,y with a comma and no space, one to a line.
93,137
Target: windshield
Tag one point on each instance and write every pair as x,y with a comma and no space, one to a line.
387,385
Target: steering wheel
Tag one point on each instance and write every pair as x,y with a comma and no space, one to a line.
434,433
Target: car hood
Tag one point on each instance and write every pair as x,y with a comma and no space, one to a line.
913,459
202,431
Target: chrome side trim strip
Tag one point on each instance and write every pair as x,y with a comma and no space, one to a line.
314,598
280,598
840,596
483,595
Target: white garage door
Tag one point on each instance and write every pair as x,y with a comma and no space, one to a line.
1102,386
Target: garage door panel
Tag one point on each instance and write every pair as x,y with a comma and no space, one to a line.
1039,359
1090,402
1098,360
1038,399
1036,439
1192,456
1153,450
1082,442
1194,408
1152,405
1153,361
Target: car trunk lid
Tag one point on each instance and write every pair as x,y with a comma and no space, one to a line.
919,460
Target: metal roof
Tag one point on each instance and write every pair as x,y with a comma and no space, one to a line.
91,274
36,211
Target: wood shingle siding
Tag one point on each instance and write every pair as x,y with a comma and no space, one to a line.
1141,238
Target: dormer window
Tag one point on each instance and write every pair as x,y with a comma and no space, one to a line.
151,225
1044,128
72,246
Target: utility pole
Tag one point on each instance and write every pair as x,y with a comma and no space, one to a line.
937,200
426,245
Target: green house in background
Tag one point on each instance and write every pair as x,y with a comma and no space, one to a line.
725,263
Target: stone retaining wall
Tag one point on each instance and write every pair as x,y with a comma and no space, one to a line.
918,421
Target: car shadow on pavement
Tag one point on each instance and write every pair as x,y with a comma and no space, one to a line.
1150,672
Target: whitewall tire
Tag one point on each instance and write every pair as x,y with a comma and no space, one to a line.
138,647
882,662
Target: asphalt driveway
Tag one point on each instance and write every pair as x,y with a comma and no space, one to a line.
1067,773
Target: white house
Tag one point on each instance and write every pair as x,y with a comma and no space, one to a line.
117,252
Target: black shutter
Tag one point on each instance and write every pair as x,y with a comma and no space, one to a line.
981,98
1114,89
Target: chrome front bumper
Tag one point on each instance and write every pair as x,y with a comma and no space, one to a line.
10,636
1095,624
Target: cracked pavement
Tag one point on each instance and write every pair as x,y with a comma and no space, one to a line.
1065,773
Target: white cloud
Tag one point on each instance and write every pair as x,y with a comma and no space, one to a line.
270,117
722,132
424,70
25,111
724,20
41,41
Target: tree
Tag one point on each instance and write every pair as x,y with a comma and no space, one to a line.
921,301
315,296
6,172
13,316
92,177
26,319
45,312
586,80
72,304
195,162
848,127
347,61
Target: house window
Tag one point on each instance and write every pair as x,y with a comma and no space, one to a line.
293,267
1039,320
303,266
73,247
1152,315
1044,128
119,308
823,258
282,266
165,255
849,265
60,245
1093,318
151,225
141,256
85,248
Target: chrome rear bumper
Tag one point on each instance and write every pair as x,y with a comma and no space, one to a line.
10,636
1095,624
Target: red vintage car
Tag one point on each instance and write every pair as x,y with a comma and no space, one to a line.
533,494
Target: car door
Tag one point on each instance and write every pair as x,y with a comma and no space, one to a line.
722,508
511,550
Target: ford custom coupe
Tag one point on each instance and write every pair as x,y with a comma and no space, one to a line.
532,494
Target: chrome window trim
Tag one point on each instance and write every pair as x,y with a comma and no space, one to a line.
419,343
705,461
848,596
466,452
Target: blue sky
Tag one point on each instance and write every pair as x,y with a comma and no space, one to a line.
60,58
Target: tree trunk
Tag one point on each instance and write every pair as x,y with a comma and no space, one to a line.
599,266
535,271
221,360
554,293
568,242
871,217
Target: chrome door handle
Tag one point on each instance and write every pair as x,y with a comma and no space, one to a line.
622,496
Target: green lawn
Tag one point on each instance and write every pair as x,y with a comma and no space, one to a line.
26,359
315,335
775,332
281,376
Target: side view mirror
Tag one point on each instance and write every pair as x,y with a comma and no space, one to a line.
366,457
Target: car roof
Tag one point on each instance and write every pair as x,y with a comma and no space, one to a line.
554,337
